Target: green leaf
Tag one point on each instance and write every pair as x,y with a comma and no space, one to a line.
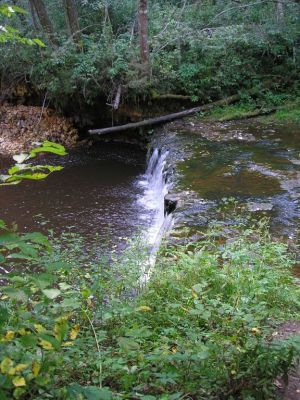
36,237
44,280
49,147
58,265
18,279
148,397
18,167
55,343
95,393
61,328
2,224
76,391
70,304
39,42
4,315
127,344
29,340
51,293
8,237
15,294
64,286
28,175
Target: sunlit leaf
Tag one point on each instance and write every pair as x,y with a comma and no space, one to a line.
21,367
49,147
5,365
46,345
51,293
36,367
39,328
10,335
19,381
60,329
39,42
20,158
74,332
144,309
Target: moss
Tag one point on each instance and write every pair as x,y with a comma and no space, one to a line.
235,111
287,112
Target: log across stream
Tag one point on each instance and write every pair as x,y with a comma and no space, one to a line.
179,115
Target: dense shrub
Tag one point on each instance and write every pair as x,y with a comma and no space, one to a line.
202,51
75,325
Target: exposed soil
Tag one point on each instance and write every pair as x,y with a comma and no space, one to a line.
292,390
21,126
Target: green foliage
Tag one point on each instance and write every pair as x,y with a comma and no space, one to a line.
10,34
230,112
205,52
290,114
22,171
285,106
77,325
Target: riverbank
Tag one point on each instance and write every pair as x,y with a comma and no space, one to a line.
207,325
22,126
213,320
280,110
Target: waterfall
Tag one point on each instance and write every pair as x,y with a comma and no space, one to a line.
156,185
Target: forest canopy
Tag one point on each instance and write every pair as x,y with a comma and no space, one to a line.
201,50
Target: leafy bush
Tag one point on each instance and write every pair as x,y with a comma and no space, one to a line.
204,52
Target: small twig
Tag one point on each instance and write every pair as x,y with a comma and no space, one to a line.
241,6
43,107
180,14
249,5
117,100
98,346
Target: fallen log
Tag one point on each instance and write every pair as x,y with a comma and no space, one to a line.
169,117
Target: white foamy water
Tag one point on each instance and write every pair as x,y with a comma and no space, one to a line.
156,186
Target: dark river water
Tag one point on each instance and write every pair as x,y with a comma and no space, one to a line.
107,190
95,193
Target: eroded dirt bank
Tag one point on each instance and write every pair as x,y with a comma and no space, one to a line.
21,126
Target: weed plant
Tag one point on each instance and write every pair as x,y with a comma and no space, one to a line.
77,325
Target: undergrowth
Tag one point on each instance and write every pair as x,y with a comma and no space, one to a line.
285,108
77,325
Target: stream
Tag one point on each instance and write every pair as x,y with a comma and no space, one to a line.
254,165
96,193
116,191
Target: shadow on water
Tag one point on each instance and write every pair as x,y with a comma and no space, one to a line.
95,193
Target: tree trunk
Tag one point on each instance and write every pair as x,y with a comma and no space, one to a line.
44,19
279,11
143,30
33,17
72,19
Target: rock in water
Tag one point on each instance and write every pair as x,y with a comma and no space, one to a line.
255,207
